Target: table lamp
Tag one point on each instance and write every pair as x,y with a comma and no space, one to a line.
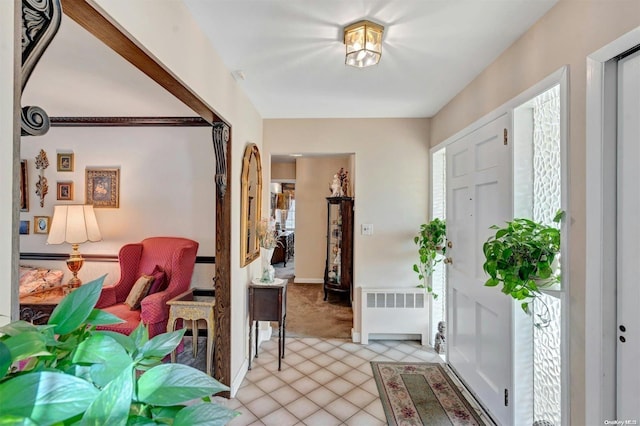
74,224
282,203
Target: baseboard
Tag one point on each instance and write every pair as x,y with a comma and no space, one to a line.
237,381
264,332
355,336
298,280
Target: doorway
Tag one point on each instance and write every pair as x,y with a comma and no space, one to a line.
609,125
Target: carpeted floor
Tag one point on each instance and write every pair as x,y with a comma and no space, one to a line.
308,315
422,393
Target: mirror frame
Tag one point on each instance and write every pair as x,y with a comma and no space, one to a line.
250,250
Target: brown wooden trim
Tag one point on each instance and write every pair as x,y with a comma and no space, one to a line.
222,281
129,122
95,257
91,20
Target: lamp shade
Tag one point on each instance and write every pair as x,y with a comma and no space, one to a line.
364,44
73,224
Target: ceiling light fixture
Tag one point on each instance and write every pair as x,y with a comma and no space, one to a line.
364,43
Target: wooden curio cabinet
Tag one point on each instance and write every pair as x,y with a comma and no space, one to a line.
338,271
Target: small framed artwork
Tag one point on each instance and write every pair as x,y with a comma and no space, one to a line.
65,191
41,224
24,227
24,187
102,187
65,162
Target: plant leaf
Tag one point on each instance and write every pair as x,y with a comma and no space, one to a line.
172,384
161,345
5,359
205,415
17,420
111,407
26,345
100,317
17,327
45,397
75,308
140,421
124,340
140,335
492,282
107,356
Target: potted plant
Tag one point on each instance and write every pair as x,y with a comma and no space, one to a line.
68,372
431,242
523,257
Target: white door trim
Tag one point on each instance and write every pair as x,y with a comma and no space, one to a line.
600,307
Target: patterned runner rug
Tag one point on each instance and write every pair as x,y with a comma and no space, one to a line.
421,394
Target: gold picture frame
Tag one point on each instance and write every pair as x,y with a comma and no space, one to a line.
64,191
24,186
102,186
41,224
65,162
251,204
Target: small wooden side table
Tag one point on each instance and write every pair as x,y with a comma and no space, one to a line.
37,308
194,305
268,302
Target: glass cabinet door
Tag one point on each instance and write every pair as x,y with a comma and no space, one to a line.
334,240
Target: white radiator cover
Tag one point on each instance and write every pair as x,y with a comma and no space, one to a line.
394,311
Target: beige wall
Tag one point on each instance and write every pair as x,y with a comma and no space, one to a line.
169,33
565,35
313,178
9,156
285,171
391,176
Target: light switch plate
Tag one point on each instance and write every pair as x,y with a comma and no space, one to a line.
367,229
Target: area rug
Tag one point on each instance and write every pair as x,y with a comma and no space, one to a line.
421,394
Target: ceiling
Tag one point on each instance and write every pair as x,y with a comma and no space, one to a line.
292,57
291,53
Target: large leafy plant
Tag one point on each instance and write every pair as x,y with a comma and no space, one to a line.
67,372
522,256
431,240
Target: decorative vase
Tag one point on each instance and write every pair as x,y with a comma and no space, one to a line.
268,272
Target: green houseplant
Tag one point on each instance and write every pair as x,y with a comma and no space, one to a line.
67,372
431,242
522,256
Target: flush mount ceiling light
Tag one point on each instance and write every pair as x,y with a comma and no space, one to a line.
364,43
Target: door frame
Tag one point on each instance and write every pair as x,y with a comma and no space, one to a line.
601,151
561,77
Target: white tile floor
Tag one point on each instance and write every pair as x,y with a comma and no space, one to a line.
323,382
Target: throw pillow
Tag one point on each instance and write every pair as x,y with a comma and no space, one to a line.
138,292
160,281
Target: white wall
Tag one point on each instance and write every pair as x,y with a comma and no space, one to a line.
9,154
170,34
166,189
391,171
567,34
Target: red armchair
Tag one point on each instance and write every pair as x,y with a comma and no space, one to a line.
176,256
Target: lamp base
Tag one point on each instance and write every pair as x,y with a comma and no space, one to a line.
74,263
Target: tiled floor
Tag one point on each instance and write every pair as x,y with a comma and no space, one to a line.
323,382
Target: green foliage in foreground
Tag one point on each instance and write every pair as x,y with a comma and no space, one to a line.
73,374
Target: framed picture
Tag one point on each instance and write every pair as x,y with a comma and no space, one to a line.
41,224
24,186
65,191
24,227
65,162
102,187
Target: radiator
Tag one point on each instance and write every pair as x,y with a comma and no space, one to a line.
394,311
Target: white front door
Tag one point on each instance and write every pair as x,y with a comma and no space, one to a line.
628,327
479,194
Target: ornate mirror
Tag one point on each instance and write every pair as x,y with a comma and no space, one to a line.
251,204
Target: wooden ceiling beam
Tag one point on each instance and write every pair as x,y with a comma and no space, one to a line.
91,20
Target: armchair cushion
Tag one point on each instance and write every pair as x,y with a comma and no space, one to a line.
139,291
159,280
